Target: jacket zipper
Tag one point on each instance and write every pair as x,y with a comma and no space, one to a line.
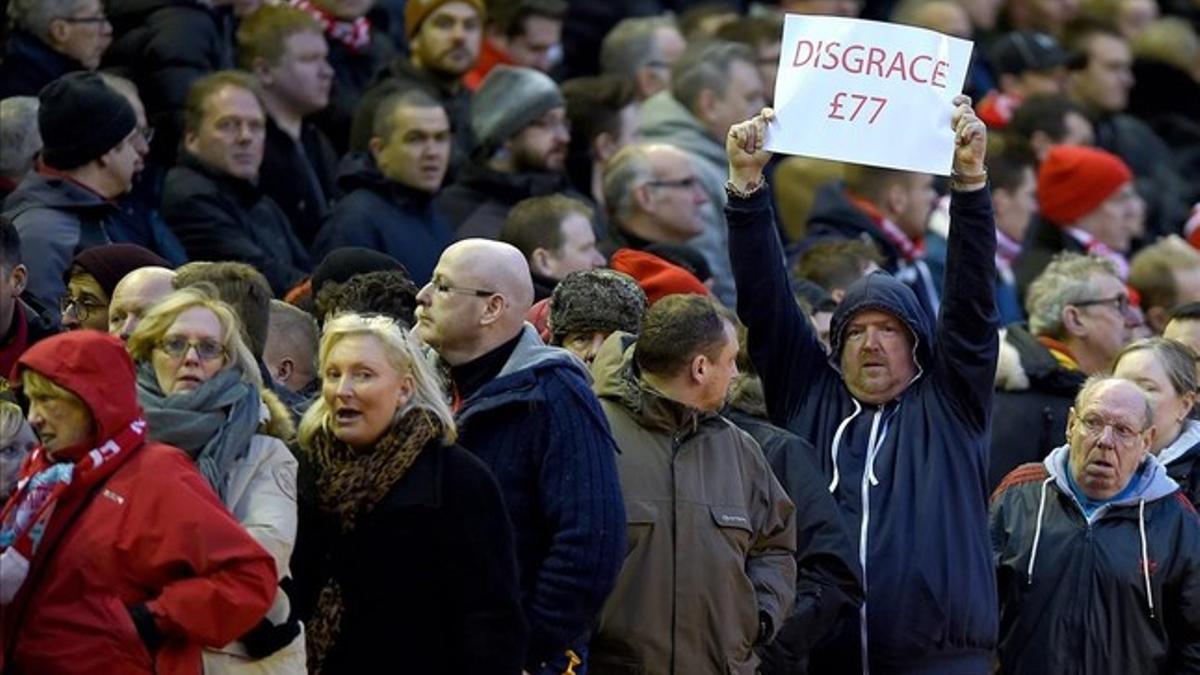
868,479
676,442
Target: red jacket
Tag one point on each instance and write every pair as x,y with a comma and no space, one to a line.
490,56
153,533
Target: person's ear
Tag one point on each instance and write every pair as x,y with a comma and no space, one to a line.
262,72
1072,322
1189,404
699,368
18,278
283,371
642,199
540,261
404,392
837,294
895,198
494,309
706,105
646,81
1149,435
1157,318
57,32
375,146
604,146
1070,422
1040,141
191,141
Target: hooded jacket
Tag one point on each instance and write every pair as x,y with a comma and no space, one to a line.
477,204
1033,394
909,476
663,119
57,218
1180,459
153,533
541,431
30,64
384,216
701,505
219,217
167,45
1076,594
834,216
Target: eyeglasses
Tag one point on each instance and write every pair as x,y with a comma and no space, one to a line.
443,287
147,133
207,349
82,307
1094,426
682,183
1121,301
83,19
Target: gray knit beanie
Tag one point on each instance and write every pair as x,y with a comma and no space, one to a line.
601,300
508,100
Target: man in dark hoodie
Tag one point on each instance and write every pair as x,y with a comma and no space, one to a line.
899,414
389,190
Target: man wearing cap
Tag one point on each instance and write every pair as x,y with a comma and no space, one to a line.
589,306
1086,203
899,414
519,119
1028,63
89,157
92,280
443,39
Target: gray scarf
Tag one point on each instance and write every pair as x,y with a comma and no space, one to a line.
213,423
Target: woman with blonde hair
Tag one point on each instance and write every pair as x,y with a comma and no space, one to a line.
405,552
202,392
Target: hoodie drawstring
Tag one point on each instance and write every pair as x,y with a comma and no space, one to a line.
837,440
1145,556
1037,532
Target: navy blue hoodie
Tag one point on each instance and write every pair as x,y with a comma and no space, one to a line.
916,503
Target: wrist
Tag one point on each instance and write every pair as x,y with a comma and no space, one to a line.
745,178
968,179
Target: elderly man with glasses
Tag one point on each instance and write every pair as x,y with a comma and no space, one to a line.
1080,316
1097,552
49,39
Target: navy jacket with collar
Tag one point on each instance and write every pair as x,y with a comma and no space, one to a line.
30,64
915,501
541,431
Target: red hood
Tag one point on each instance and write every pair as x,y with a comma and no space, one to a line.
93,365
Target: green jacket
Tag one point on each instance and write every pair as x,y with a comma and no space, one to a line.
711,535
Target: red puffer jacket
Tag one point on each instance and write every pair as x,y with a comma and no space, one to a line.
153,533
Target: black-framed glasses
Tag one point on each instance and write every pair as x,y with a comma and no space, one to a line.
81,307
443,287
681,183
83,19
1120,301
177,346
1094,425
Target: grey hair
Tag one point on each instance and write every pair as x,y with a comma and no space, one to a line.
403,352
19,135
623,172
630,45
1066,280
706,66
297,329
34,16
1099,380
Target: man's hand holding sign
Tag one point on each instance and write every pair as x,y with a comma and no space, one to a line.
899,411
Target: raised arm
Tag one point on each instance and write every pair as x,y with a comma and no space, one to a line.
783,344
967,338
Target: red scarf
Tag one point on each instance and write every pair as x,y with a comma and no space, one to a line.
356,34
909,250
26,518
1094,246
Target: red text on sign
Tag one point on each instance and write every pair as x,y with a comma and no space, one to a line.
871,61
847,107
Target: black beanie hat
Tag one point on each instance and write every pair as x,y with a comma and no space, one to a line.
601,300
342,263
81,118
109,263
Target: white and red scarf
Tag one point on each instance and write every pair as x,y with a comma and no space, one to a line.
1093,246
356,34
26,517
909,250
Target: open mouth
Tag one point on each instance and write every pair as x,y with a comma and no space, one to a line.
347,415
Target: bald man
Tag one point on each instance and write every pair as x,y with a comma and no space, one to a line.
527,411
135,293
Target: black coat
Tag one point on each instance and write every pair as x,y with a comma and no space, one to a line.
166,45
299,177
477,204
353,72
218,217
1028,423
1043,241
428,577
29,64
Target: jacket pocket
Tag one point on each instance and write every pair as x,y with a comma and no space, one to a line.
734,523
639,522
125,634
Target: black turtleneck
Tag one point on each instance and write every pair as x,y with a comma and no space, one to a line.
470,377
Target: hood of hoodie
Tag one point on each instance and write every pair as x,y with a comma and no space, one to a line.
531,353
1027,364
1188,438
664,119
1150,480
883,292
617,380
39,190
96,368
358,170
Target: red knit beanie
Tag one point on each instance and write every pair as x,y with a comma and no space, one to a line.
657,277
1074,180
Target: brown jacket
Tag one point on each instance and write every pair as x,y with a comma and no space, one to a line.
711,535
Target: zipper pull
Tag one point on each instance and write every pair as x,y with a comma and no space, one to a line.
573,660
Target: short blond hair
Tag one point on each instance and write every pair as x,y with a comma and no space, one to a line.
403,352
163,314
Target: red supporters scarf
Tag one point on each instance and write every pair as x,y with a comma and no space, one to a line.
1093,246
910,251
356,34
26,517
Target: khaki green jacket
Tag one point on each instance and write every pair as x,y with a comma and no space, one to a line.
711,535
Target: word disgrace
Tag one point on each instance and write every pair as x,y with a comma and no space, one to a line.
836,106
866,92
857,59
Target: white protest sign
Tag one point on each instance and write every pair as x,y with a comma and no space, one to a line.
867,92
